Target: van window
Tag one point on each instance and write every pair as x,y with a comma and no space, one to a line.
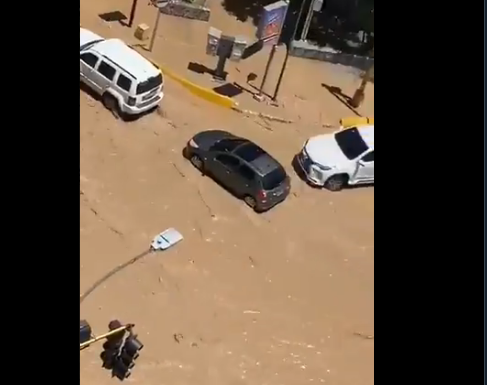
247,172
227,145
106,70
229,161
149,84
124,82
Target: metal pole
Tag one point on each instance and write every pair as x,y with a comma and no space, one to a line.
284,64
272,53
267,68
154,31
132,13
307,22
105,335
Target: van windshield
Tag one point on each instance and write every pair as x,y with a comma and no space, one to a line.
149,84
351,143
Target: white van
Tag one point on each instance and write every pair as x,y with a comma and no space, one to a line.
127,82
341,158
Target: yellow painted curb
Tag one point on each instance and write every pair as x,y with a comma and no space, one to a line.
202,92
356,121
210,95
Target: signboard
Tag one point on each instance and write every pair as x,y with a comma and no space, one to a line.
225,46
212,41
239,47
271,22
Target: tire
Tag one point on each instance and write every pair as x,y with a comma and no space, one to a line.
197,162
111,105
336,182
251,202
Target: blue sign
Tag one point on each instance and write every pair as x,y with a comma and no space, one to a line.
271,22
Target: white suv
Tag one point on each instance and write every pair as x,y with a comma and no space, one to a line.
127,82
335,160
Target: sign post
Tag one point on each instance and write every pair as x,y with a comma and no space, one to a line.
289,47
224,51
132,13
224,47
307,21
269,31
154,31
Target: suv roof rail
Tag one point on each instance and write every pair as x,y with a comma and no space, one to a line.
116,64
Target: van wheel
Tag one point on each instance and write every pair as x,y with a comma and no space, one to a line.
111,105
336,182
251,202
197,162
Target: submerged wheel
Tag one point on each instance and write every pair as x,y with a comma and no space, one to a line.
197,162
336,182
250,201
111,105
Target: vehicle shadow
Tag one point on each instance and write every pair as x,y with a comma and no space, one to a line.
125,118
359,186
87,90
135,118
300,173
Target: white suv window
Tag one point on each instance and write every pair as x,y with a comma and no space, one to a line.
90,59
106,70
124,82
149,84
369,157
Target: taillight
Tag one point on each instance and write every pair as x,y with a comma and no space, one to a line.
262,194
131,101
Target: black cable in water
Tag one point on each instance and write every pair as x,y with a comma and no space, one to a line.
111,273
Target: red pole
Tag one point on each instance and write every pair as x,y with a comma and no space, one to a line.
132,13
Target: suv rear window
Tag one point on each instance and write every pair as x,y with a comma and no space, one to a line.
149,84
273,179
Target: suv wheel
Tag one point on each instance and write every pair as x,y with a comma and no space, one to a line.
196,162
336,182
111,104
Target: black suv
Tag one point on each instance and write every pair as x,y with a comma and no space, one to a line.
241,166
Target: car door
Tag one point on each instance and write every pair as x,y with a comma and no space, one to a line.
103,75
365,168
246,181
224,169
87,64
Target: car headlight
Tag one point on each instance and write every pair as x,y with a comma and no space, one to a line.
193,144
